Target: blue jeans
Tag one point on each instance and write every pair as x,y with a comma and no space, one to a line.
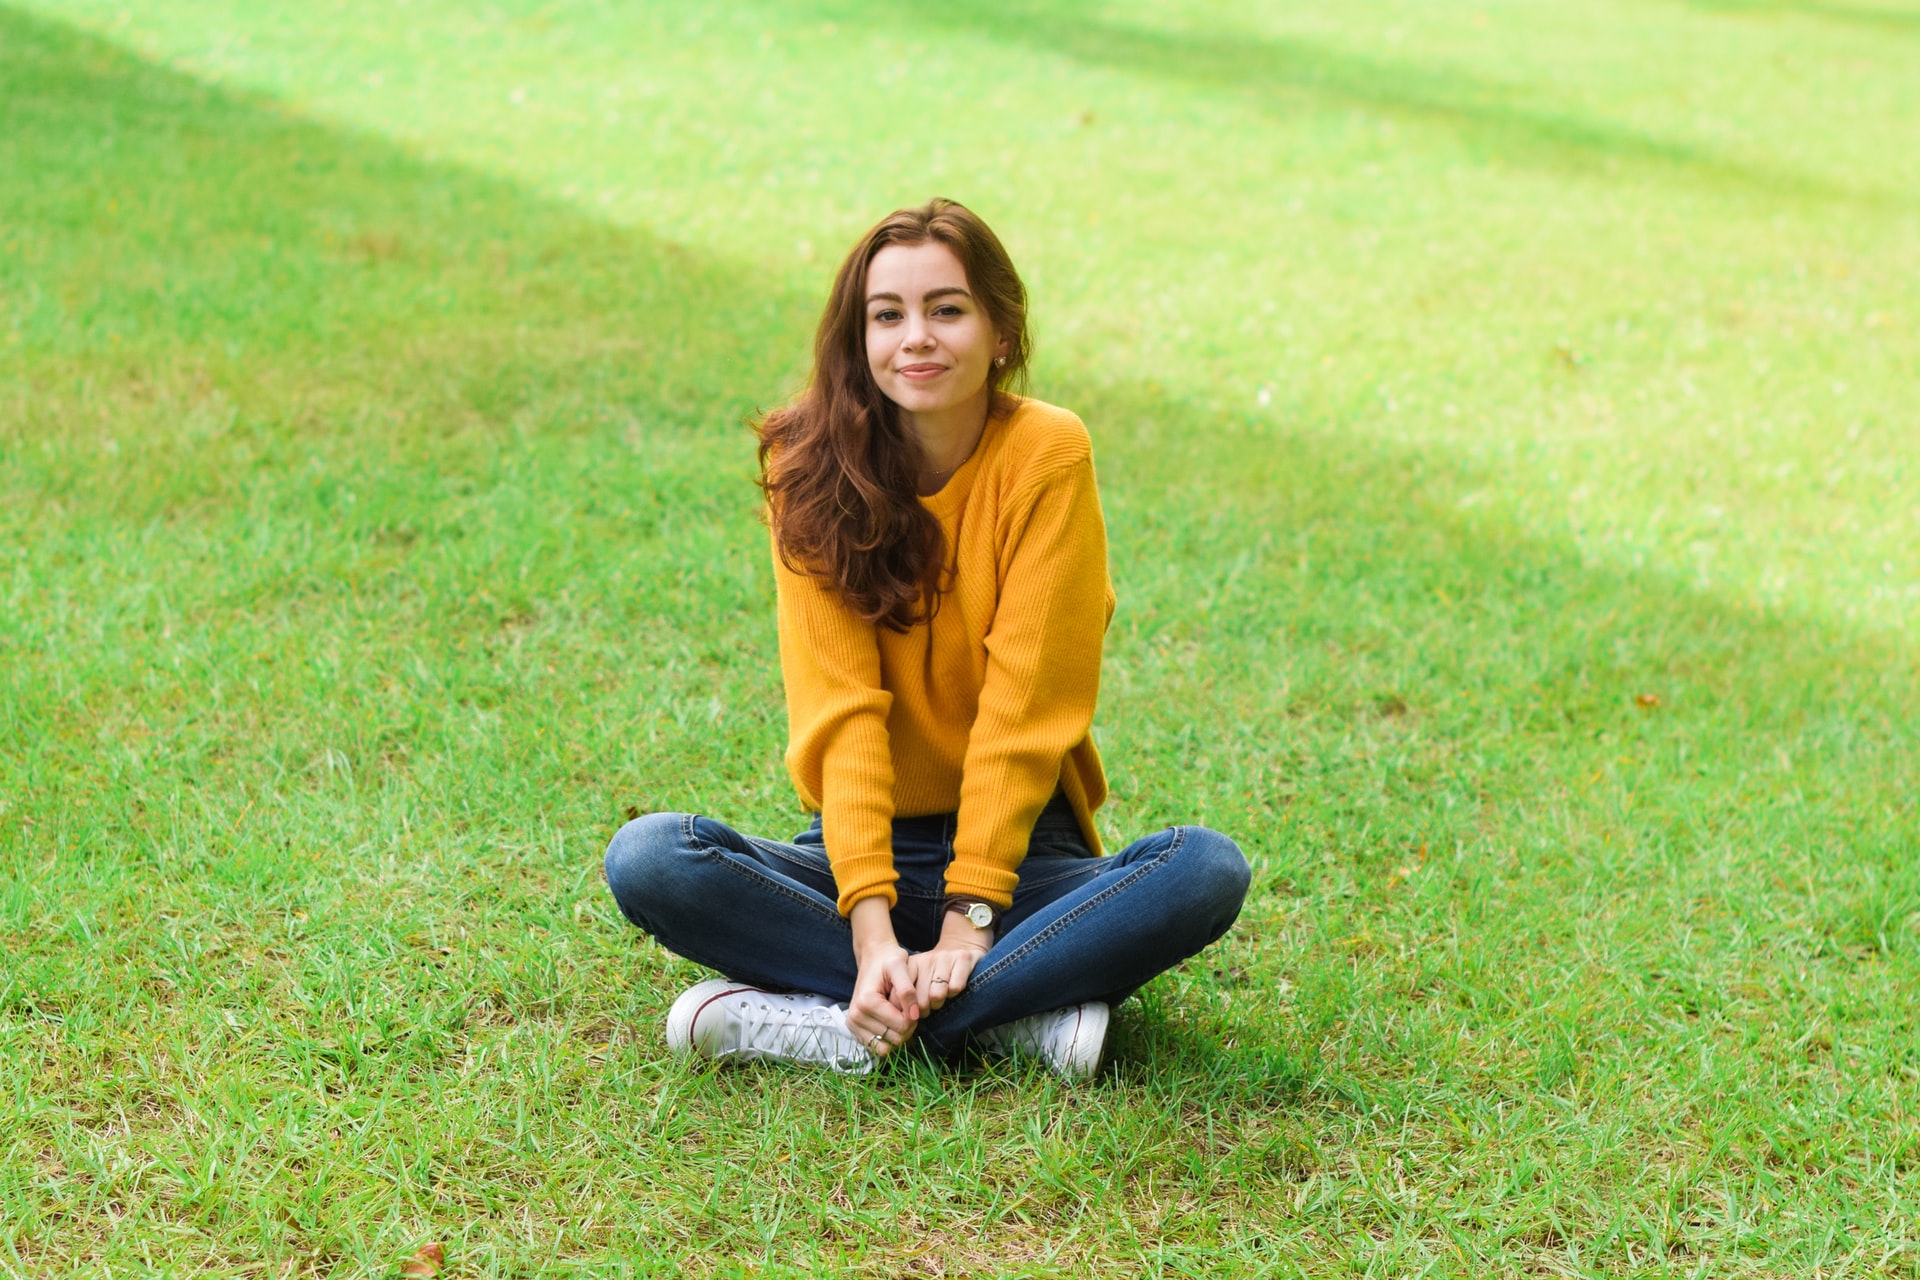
1081,928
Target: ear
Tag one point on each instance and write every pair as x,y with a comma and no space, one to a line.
1002,348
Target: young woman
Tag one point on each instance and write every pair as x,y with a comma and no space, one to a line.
941,565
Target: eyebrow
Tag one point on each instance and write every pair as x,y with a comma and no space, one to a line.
931,293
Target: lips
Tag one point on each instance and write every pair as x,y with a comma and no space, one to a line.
922,371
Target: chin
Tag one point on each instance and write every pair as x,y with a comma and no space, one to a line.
920,402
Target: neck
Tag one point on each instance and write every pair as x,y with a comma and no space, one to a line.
948,438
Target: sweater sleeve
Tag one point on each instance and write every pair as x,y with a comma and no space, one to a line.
838,751
1042,677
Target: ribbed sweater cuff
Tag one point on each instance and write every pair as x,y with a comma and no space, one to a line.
979,879
867,875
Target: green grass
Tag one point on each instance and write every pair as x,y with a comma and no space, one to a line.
1506,418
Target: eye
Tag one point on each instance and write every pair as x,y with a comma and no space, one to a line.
886,315
947,309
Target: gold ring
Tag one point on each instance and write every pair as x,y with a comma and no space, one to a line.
939,979
877,1037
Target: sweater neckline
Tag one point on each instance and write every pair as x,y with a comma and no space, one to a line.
952,495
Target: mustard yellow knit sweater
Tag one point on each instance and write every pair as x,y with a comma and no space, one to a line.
985,710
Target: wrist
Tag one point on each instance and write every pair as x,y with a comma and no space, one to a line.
969,919
981,914
872,923
957,931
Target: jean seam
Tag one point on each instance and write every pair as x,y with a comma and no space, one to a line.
1065,873
766,882
774,849
782,849
1060,851
1160,860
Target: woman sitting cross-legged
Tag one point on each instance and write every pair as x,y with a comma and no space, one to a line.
941,564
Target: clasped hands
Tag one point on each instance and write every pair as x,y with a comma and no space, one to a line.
895,989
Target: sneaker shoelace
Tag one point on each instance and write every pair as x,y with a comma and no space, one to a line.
816,1032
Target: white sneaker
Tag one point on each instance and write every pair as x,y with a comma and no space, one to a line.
721,1020
1069,1040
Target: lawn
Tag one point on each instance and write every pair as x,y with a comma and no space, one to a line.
1507,426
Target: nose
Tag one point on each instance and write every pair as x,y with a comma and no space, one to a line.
918,335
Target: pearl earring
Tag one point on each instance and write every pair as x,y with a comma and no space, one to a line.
999,361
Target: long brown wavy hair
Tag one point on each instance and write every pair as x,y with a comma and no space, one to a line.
839,467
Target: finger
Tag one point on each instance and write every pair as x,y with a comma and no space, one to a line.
940,982
900,989
873,1039
873,1034
959,971
887,1041
923,982
879,1013
861,1019
882,1031
882,993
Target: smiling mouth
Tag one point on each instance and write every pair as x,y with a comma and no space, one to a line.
922,370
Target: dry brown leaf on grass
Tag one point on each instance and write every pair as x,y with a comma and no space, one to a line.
425,1262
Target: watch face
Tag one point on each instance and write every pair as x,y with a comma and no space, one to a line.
981,914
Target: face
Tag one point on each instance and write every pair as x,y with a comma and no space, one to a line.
929,343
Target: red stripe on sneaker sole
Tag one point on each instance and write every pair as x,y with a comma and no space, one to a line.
694,1022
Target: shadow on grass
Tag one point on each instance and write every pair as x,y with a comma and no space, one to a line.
1495,120
349,296
168,223
290,407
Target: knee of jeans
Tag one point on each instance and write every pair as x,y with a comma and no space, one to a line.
1219,865
640,861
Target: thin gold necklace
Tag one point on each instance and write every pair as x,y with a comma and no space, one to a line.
971,449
